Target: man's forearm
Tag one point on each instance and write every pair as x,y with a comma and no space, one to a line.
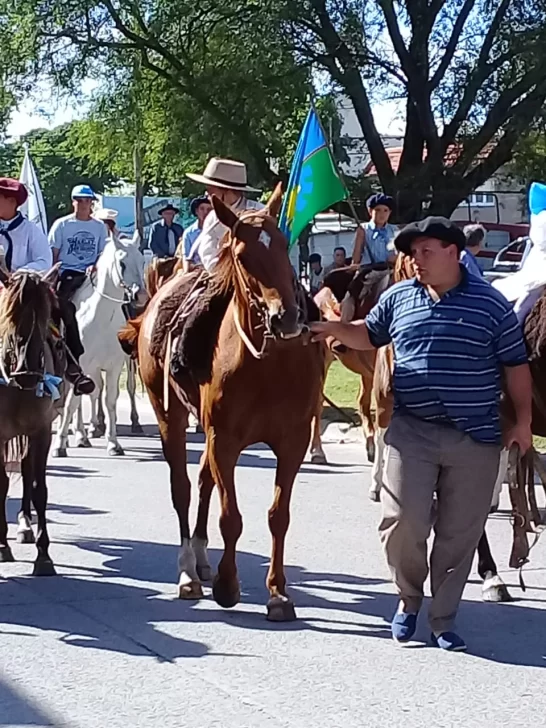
56,252
520,390
354,335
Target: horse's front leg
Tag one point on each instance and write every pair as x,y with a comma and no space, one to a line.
223,452
97,424
25,534
61,439
318,456
40,444
493,587
365,406
111,389
80,435
136,427
290,453
383,415
200,539
6,554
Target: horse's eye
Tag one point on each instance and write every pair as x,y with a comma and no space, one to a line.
265,238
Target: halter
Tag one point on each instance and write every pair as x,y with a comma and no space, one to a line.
10,379
254,301
128,295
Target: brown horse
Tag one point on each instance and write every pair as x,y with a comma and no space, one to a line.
348,296
159,272
258,381
26,357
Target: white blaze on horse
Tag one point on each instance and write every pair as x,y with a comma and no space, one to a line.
99,303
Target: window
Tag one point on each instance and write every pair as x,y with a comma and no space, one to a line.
479,199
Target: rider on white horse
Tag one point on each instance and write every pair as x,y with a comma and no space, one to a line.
77,241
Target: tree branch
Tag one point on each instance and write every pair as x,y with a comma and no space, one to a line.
452,44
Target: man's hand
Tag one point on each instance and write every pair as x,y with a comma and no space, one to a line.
519,435
91,270
321,330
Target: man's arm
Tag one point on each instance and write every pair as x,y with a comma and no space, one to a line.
153,242
358,246
55,241
354,335
519,388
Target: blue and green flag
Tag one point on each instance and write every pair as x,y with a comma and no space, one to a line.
314,183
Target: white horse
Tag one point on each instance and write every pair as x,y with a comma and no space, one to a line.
119,275
98,426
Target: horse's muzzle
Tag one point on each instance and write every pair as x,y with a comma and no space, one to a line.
286,324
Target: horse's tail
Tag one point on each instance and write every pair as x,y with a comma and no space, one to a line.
16,450
128,336
382,380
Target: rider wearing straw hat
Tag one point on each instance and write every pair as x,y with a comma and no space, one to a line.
227,179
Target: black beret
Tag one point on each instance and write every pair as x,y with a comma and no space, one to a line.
315,258
380,199
439,228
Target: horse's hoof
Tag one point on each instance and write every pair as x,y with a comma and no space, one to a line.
44,567
204,573
318,458
6,555
95,433
280,609
495,590
84,442
115,451
60,452
374,496
190,590
137,429
370,449
26,536
226,594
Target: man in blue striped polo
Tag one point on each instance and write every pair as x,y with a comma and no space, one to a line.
453,336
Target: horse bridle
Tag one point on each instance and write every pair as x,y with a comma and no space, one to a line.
10,378
128,295
255,302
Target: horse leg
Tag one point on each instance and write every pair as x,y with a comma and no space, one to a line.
318,456
290,454
6,554
40,444
111,388
222,456
81,439
199,539
136,427
97,425
25,534
172,428
61,439
493,588
501,477
365,406
383,415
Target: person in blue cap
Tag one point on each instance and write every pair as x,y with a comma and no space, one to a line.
199,208
374,239
77,241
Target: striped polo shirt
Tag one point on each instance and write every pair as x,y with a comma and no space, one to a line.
448,353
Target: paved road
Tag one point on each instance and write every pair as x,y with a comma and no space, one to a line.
106,644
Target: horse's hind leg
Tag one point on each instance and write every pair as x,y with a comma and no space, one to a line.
365,406
222,456
290,453
199,539
318,456
5,551
493,588
80,435
25,534
136,427
111,389
43,566
61,440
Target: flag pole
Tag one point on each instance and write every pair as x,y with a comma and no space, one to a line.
338,170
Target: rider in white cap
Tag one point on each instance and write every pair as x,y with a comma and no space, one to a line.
226,179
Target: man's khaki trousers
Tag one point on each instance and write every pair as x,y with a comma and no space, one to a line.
423,459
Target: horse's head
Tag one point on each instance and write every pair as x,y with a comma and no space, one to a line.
123,264
254,257
25,313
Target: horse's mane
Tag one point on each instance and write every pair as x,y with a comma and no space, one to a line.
26,292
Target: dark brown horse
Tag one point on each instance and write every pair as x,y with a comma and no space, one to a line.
347,295
257,379
26,357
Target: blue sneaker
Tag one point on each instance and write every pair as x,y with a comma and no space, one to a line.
449,641
403,626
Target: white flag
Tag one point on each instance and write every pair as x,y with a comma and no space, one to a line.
34,207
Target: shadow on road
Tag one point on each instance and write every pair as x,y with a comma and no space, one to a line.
124,617
17,709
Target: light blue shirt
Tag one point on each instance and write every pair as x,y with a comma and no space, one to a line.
379,243
79,242
470,263
189,237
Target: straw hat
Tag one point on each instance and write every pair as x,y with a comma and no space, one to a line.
106,214
225,173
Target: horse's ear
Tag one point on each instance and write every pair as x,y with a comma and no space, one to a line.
274,203
224,213
52,275
4,276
